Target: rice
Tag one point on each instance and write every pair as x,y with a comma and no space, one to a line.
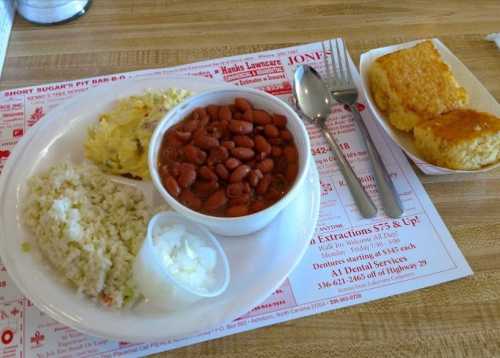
89,228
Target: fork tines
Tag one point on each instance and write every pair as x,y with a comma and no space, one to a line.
338,72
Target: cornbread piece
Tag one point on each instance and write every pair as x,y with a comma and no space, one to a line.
413,85
460,139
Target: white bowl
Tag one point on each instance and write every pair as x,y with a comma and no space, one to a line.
247,224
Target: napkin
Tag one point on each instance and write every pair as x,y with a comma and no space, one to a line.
494,37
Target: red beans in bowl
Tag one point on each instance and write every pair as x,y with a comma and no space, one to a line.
228,160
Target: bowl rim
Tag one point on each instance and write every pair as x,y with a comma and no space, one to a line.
161,128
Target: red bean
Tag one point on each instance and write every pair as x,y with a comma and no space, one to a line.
254,177
202,112
168,154
216,200
207,173
198,132
191,125
271,131
262,145
186,166
187,177
225,113
266,165
240,127
163,171
218,155
217,129
229,144
232,163
248,116
235,190
244,141
190,200
203,116
242,153
221,171
279,120
172,187
174,169
237,210
239,173
205,187
261,117
194,154
205,141
242,104
261,156
263,185
243,199
204,121
183,136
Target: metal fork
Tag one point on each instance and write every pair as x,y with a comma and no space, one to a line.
343,90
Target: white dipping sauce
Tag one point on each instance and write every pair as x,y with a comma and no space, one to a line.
185,256
179,263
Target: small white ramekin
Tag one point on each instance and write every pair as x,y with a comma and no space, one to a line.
247,224
159,287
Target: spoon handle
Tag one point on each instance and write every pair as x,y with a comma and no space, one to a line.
390,198
363,201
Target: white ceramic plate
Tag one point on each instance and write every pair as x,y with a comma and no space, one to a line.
259,263
480,100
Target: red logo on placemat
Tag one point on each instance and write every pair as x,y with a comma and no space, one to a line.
17,132
7,336
35,116
37,338
278,89
359,106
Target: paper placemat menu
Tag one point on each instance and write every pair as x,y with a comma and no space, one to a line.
350,260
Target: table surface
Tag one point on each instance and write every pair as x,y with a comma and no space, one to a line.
459,318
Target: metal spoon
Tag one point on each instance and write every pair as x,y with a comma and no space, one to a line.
314,100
